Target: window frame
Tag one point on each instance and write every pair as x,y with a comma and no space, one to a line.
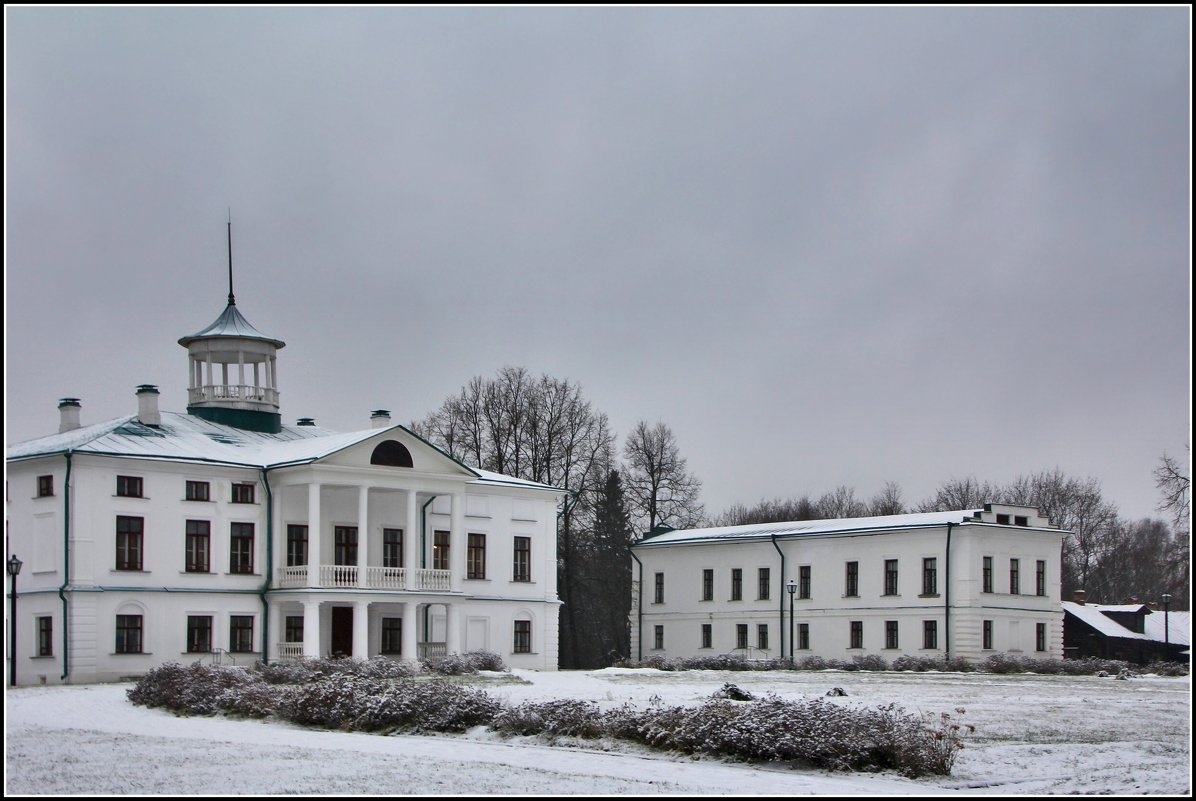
736,584
986,635
130,638
803,636
441,542
930,635
199,634
130,544
762,636
1015,576
892,577
192,538
1040,578
241,542
129,487
707,584
891,635
45,486
392,548
45,635
741,636
804,583
658,588
240,634
658,637
475,556
522,556
522,637
851,579
930,577
191,490
390,629
763,584
243,492
986,574
856,634
707,636
297,544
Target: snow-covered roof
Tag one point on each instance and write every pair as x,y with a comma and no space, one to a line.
188,438
811,527
1175,627
231,323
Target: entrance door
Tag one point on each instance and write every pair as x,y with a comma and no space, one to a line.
342,631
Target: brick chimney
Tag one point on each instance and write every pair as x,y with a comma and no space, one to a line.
380,418
1078,597
147,405
68,414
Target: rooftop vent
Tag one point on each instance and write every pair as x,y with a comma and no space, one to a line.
380,418
305,421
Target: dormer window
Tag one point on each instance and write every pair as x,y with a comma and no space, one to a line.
391,454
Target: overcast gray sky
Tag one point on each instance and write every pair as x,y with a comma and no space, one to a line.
826,246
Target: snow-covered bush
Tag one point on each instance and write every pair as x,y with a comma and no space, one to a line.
566,718
304,670
203,690
467,663
487,660
870,662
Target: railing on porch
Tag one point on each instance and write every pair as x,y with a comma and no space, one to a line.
290,650
376,578
432,650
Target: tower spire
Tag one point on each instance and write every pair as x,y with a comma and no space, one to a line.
232,301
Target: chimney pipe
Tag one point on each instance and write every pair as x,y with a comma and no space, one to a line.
68,414
1078,597
147,405
380,418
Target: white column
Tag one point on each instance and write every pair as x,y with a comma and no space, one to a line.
313,535
311,628
410,643
411,542
361,629
363,533
458,542
274,631
452,628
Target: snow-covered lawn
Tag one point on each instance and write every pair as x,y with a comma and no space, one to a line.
1034,735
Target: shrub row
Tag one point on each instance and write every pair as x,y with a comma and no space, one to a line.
997,663
814,732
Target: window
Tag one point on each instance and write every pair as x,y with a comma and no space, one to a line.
344,545
857,634
741,635
392,547
890,577
296,545
199,634
128,486
852,587
198,491
1002,520
1040,578
240,634
930,583
930,634
129,538
475,567
803,636
523,559
986,635
45,636
658,637
392,635
987,575
1014,577
199,535
1018,520
762,636
240,558
1040,637
45,486
736,584
891,634
440,550
763,582
708,584
803,581
128,634
242,493
293,628
658,596
707,635
391,454
523,636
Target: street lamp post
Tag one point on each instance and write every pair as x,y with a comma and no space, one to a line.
792,588
14,570
1167,623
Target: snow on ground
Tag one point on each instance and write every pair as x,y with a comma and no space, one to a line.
1034,735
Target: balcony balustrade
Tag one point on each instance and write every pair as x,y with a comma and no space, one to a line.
376,578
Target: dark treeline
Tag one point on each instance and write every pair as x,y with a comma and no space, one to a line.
543,429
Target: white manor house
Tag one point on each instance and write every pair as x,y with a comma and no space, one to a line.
943,584
222,533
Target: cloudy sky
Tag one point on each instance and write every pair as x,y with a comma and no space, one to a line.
827,247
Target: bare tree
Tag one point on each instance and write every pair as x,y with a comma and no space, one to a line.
840,503
1175,485
959,494
660,490
774,511
887,501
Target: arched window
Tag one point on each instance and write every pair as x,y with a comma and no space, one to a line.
391,453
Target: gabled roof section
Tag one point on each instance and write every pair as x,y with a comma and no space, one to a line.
188,438
231,323
811,528
1175,627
